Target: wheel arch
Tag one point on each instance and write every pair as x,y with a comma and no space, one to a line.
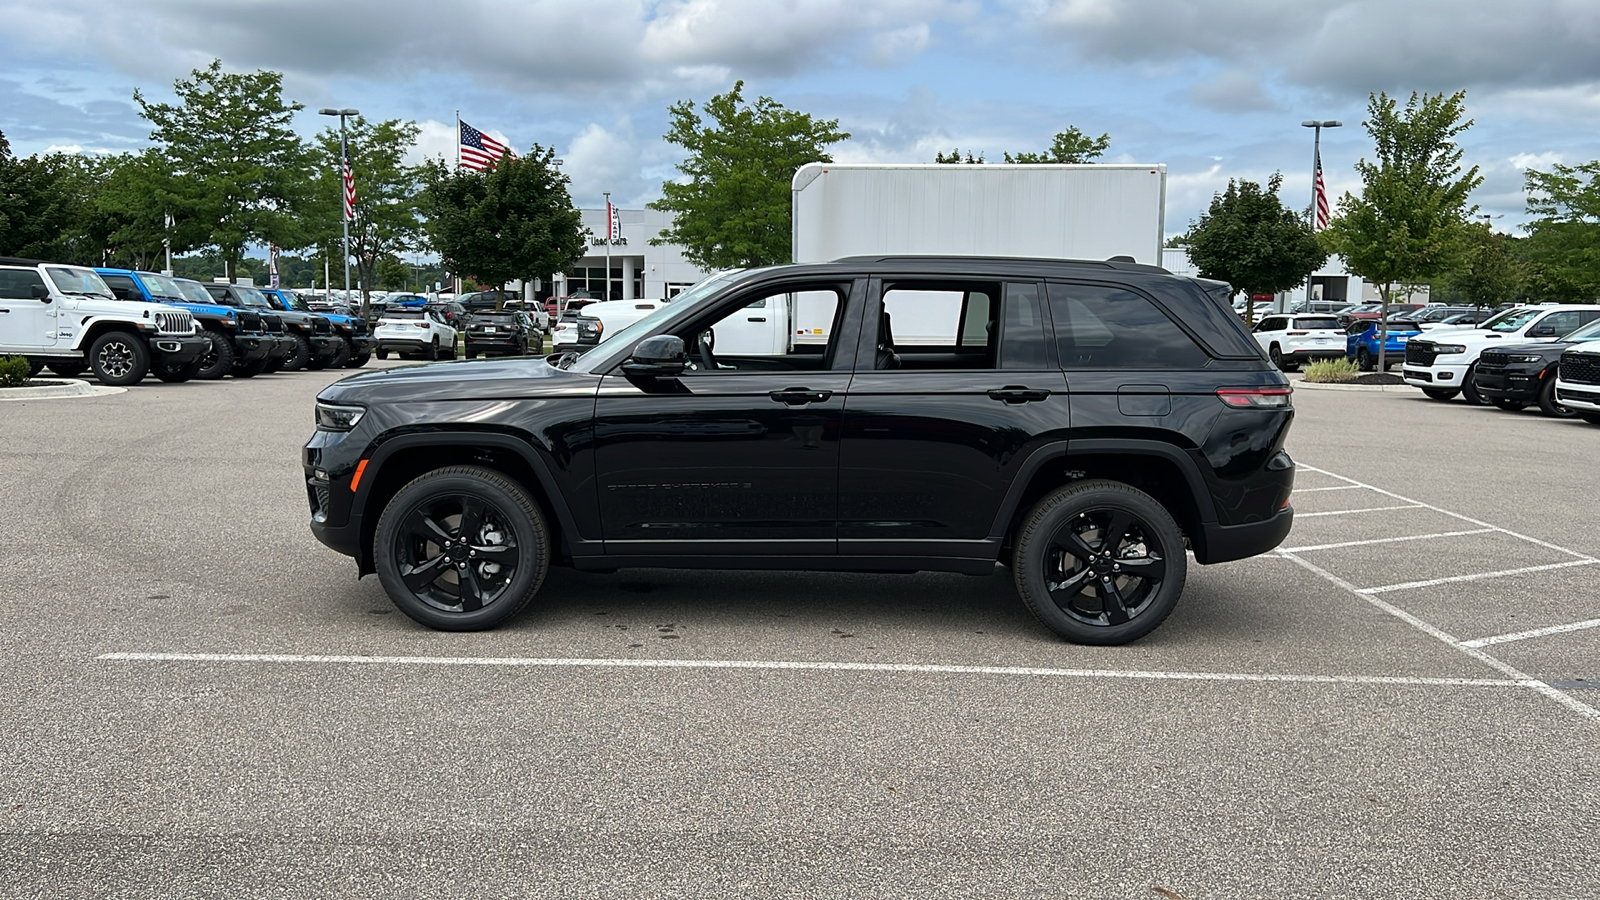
397,461
98,328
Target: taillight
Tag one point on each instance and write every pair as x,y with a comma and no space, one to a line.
1256,397
420,324
1299,333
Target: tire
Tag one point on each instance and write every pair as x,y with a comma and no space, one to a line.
358,360
1469,391
1440,393
274,364
341,356
381,353
1547,400
66,368
1080,609
1364,360
301,357
218,360
1508,405
411,541
433,351
1276,355
172,373
249,369
119,359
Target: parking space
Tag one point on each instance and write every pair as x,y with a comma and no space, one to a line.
205,700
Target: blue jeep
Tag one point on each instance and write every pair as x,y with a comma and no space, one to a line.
353,330
1361,346
238,342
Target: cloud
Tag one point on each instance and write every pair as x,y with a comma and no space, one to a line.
603,159
1232,91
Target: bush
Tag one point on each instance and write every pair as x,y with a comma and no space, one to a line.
14,371
1332,371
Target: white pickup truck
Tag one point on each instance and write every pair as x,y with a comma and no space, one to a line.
1442,362
1578,381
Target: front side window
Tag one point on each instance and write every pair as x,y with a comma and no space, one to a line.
18,284
792,326
1101,326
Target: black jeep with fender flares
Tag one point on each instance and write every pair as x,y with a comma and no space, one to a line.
1086,424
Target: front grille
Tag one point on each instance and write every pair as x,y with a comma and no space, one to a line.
1491,361
319,325
358,326
174,323
1580,368
273,324
249,322
1420,353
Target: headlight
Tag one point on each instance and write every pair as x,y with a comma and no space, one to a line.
1525,358
338,418
1447,349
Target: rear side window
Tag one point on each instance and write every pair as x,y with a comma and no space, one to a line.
18,284
1023,334
1102,327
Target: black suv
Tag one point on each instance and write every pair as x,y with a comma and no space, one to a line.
1080,422
494,332
1515,376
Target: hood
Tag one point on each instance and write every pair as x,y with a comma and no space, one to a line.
1550,351
204,309
498,378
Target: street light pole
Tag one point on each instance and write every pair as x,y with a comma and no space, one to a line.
344,156
1316,173
608,244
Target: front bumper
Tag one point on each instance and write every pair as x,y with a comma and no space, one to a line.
179,350
1445,377
1578,396
1509,384
251,347
325,346
359,343
282,346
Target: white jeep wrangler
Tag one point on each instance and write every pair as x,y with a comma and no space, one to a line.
66,317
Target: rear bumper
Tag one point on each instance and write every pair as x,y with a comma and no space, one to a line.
1313,354
180,350
1225,543
507,343
397,345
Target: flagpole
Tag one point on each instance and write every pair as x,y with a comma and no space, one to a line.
458,140
608,244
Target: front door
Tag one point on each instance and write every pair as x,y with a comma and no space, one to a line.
738,455
940,420
26,322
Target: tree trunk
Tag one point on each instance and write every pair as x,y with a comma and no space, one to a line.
1383,327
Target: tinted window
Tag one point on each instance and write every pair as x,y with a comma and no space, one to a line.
1022,329
121,281
940,324
1316,324
1561,322
1098,326
17,284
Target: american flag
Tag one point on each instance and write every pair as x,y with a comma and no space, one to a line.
479,151
349,190
1322,197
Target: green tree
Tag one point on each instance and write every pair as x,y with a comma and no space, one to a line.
1409,226
1563,244
1070,146
388,209
43,204
954,157
1488,273
235,162
1249,239
515,221
734,207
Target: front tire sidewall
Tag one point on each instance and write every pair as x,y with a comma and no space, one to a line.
523,517
1547,401
1469,391
1058,509
119,344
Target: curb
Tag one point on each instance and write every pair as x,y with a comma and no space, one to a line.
1388,388
73,388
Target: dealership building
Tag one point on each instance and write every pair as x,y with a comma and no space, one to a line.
637,268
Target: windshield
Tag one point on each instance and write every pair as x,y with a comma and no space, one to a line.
1512,319
164,287
193,292
1589,332
79,281
293,299
692,297
1328,323
253,297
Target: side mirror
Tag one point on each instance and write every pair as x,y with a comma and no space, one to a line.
1543,331
40,292
662,356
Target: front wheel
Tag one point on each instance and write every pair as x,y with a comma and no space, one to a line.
174,373
119,359
462,548
1440,393
218,358
301,357
1548,403
359,360
1100,562
382,353
1469,391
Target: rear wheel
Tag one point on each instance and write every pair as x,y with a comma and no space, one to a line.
119,359
1547,400
1276,355
1364,360
382,353
1440,393
462,548
358,360
1100,562
35,366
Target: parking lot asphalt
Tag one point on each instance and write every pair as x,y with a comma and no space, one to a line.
202,701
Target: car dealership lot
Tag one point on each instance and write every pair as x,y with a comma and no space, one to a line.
204,701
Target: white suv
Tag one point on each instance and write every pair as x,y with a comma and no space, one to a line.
1441,363
1578,381
420,331
66,317
1290,340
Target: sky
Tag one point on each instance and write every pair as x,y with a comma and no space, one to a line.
1215,89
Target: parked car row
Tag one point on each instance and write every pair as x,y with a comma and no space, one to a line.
122,324
430,332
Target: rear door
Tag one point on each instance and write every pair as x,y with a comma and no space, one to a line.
26,322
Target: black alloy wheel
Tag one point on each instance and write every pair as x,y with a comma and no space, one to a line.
301,357
1100,562
1364,360
462,548
1547,400
119,359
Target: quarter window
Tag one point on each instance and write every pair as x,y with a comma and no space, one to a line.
1098,326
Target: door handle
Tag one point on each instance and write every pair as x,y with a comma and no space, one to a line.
799,396
1013,394
756,319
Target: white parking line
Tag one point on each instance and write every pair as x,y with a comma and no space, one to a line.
1478,576
1337,487
1537,632
891,668
1346,512
1387,540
